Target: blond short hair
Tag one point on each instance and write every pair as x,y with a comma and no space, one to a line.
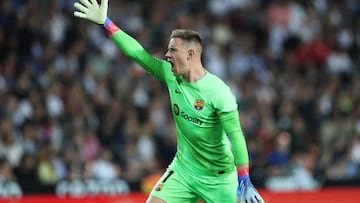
187,35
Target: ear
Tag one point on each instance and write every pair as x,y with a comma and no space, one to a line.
191,53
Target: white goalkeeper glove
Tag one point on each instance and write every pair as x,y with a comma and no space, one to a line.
91,10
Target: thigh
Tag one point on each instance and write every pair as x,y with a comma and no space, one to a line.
218,189
173,188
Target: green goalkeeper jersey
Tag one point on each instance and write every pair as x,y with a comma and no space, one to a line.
202,145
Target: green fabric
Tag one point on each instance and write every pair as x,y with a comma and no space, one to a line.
203,111
177,185
202,140
132,49
231,124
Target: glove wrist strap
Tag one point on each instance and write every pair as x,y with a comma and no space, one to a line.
243,172
110,27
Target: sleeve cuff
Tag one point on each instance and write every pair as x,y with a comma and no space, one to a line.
110,27
243,172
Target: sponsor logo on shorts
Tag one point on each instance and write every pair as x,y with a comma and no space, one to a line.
159,187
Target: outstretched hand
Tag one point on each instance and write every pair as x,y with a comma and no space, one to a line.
91,10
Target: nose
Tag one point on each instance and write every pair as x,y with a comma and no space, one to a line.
167,55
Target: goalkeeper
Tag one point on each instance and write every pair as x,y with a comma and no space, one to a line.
205,112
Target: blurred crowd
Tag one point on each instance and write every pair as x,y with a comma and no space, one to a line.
72,106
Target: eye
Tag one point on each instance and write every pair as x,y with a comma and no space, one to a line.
172,50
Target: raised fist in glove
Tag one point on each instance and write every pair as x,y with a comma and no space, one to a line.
246,192
91,10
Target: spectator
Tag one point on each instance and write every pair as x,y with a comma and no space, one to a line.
293,66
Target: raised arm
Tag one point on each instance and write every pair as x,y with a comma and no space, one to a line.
92,11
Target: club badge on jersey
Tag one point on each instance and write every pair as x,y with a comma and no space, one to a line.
199,104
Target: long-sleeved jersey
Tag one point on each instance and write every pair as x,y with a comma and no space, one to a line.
205,113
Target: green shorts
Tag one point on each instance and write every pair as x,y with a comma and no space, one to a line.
180,186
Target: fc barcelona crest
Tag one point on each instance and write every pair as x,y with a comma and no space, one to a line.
199,104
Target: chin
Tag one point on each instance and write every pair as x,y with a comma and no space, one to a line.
175,73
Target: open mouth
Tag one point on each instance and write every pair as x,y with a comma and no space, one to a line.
172,64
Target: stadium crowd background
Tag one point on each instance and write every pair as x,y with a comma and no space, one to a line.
73,107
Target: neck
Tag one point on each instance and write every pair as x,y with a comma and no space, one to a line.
195,73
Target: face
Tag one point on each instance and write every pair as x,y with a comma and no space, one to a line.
178,56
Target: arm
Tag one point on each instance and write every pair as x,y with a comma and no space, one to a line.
231,125
246,191
132,49
96,13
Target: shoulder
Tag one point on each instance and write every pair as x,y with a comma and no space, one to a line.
167,73
222,97
216,83
214,79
